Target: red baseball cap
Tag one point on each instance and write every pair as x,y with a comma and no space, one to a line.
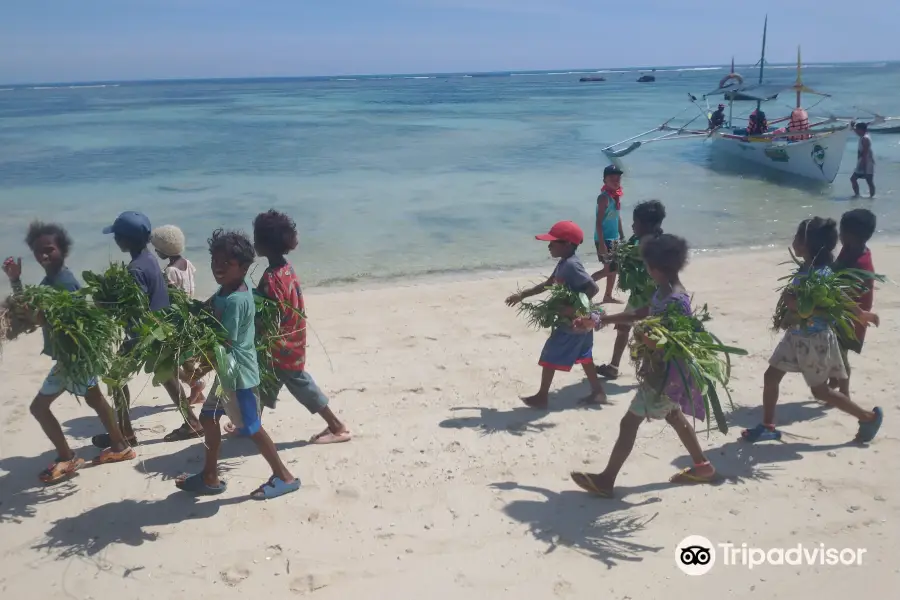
564,231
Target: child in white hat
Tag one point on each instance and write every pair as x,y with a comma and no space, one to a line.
168,241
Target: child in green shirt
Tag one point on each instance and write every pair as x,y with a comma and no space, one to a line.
232,254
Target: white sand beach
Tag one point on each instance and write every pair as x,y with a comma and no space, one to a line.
452,488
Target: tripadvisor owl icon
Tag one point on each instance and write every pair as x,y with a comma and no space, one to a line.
695,555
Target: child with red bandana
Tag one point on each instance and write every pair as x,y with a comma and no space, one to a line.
608,230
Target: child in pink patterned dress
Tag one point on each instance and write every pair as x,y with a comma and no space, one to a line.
663,393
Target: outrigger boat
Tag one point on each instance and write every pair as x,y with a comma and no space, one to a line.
809,148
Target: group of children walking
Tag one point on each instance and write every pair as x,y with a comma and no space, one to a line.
232,254
809,346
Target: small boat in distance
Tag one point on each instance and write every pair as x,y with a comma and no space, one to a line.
646,78
812,148
592,79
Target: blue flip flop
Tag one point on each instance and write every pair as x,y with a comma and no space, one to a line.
275,487
760,433
196,485
869,429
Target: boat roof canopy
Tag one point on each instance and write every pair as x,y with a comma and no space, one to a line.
761,92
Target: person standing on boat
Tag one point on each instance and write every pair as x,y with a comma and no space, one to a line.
718,118
608,229
865,161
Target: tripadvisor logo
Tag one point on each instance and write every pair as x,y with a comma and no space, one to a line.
696,555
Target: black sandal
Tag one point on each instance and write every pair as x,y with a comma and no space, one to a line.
608,371
185,432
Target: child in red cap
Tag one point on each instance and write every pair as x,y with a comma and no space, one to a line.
565,347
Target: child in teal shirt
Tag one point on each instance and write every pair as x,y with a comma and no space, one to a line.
232,254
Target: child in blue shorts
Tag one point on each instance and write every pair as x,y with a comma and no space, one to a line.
566,347
50,244
232,254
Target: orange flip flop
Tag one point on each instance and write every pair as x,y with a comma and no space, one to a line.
57,472
109,456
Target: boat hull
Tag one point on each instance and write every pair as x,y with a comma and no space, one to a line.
818,158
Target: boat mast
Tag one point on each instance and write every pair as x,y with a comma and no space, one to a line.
762,60
799,83
731,99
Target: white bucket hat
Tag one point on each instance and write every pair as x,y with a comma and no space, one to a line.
168,239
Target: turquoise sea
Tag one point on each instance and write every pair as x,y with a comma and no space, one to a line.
401,176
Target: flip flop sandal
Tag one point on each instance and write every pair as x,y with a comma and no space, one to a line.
687,475
195,485
760,433
108,456
55,474
104,441
326,437
274,488
584,481
869,429
185,432
607,372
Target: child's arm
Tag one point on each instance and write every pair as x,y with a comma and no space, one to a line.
602,204
13,269
538,289
621,231
596,320
865,317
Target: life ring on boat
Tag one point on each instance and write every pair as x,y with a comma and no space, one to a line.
728,78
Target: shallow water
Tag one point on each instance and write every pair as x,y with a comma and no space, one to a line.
402,176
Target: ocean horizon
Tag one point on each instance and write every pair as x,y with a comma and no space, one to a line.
405,175
747,67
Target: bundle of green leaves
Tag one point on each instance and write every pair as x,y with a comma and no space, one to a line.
186,331
268,330
682,343
116,291
821,293
547,313
83,337
633,275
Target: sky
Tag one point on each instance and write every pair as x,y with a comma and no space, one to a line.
98,40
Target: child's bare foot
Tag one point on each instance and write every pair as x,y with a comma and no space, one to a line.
596,398
610,300
598,484
537,401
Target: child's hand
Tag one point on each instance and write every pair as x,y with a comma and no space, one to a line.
583,324
645,340
13,268
514,299
869,318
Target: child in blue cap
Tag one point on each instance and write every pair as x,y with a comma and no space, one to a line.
131,231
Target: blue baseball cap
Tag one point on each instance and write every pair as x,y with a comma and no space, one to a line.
131,224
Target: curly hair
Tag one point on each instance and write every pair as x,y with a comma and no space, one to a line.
667,253
275,231
233,244
650,213
39,229
820,236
